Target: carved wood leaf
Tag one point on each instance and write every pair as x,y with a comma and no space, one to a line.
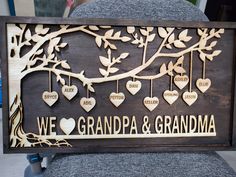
32,62
213,43
168,46
162,32
163,68
216,52
103,72
36,38
179,70
44,31
90,88
171,38
200,32
124,55
130,29
151,37
221,31
28,34
187,38
109,33
125,39
105,61
98,41
39,52
181,59
212,31
52,44
170,29
150,28
179,44
117,34
62,81
143,32
65,65
113,70
105,27
209,57
202,56
38,29
183,34
94,28
112,46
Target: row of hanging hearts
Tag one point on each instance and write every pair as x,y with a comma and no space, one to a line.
133,87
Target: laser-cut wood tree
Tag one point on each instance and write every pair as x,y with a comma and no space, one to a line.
39,59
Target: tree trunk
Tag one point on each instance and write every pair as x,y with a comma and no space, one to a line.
17,134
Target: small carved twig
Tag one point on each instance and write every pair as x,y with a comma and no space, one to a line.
177,67
109,62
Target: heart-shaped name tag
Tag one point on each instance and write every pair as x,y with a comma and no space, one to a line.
190,97
203,84
117,98
87,103
67,125
170,96
50,97
69,91
151,103
181,81
133,86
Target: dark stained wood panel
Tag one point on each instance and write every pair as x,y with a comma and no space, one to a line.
100,85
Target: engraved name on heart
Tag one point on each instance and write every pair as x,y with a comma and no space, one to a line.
190,97
181,81
170,96
67,125
69,91
203,84
50,97
117,98
87,103
151,103
133,86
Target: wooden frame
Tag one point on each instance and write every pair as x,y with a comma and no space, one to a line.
105,146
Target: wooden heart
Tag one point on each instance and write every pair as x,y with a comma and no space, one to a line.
190,97
69,91
67,125
50,97
151,103
87,103
133,86
117,98
170,96
181,81
203,84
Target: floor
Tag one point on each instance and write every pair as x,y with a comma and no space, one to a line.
8,169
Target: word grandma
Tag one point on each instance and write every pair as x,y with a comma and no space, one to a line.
186,125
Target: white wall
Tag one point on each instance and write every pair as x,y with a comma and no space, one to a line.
22,5
202,5
4,9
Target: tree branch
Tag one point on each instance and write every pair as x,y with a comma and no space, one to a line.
181,53
88,81
152,77
131,73
60,32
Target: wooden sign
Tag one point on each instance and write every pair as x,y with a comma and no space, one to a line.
99,85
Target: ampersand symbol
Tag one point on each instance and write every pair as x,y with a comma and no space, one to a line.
146,125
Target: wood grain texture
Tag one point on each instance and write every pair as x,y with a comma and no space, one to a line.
215,96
